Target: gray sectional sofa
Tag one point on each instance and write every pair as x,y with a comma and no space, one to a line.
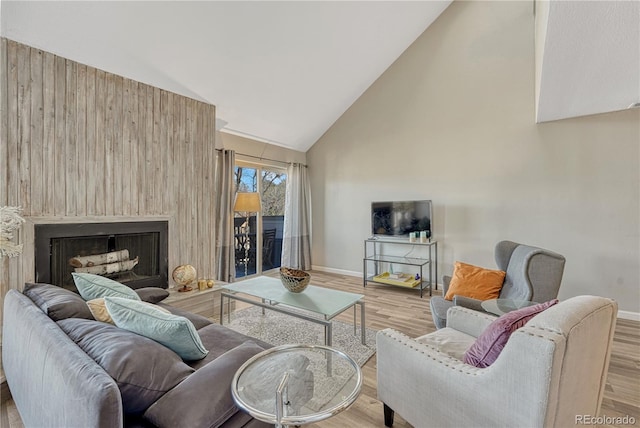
65,369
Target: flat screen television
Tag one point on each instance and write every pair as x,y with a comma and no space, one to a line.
400,218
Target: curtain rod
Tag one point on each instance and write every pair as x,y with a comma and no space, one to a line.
263,158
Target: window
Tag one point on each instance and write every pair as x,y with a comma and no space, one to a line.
258,239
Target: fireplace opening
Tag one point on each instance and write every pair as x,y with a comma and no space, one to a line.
133,253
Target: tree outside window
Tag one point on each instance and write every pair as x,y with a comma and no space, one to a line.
273,185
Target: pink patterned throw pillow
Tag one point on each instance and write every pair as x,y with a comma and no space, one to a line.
490,343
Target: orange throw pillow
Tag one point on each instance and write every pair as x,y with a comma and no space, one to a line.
475,282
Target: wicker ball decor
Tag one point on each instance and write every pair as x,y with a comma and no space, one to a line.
294,280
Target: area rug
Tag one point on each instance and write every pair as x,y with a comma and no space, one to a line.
280,329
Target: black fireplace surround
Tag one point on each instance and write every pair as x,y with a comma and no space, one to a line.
55,244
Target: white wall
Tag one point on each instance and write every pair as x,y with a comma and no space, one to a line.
453,120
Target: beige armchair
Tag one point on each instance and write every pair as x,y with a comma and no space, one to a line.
551,369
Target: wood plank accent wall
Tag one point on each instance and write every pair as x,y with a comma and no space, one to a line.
79,144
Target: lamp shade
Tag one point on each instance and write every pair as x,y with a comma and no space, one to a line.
247,202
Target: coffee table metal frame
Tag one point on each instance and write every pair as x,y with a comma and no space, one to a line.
279,418
275,297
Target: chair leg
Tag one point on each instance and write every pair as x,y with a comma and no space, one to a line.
388,416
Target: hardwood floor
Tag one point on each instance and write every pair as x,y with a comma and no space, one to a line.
402,309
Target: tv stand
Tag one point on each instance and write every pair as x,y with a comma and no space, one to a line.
427,255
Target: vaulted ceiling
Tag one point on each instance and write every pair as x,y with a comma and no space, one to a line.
283,72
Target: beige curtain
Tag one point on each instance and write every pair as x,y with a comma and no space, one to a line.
225,245
296,242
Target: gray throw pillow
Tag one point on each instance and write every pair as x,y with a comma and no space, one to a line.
143,369
219,339
204,398
57,302
152,294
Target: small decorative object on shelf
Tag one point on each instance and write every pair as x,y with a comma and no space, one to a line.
10,221
294,280
202,284
210,283
184,275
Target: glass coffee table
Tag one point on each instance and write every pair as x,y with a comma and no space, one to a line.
296,384
315,304
503,306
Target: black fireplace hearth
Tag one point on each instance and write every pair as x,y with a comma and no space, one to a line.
60,249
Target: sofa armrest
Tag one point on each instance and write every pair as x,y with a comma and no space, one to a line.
468,302
468,321
52,381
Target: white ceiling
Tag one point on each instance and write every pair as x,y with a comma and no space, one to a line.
283,72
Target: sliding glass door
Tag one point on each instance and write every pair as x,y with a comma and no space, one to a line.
258,236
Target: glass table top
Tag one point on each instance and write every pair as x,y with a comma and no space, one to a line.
324,301
316,382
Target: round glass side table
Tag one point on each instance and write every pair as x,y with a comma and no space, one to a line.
296,384
503,306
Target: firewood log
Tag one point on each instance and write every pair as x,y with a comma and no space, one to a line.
108,268
99,259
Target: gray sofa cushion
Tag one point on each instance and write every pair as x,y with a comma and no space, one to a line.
243,420
204,398
57,302
143,369
219,339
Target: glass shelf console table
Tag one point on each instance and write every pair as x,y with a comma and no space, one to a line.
379,254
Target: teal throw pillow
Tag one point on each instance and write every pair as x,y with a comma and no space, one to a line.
175,332
92,286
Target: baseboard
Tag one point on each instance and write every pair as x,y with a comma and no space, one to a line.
337,271
625,315
350,273
628,315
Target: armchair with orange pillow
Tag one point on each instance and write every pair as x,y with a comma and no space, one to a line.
524,273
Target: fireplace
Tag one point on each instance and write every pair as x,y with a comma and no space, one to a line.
63,248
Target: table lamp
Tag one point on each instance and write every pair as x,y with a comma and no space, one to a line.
247,203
